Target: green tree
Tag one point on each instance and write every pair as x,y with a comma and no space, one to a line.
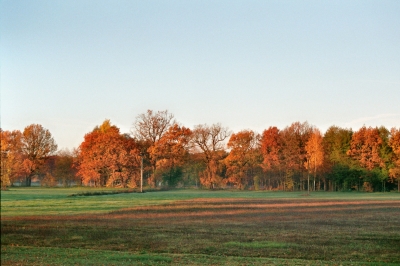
336,142
394,143
386,154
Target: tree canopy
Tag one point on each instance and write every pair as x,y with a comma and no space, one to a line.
212,156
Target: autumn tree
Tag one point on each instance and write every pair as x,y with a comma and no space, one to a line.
170,152
394,143
11,157
149,128
293,153
270,149
108,158
209,140
315,155
37,145
365,148
242,156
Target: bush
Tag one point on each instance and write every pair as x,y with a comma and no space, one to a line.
367,187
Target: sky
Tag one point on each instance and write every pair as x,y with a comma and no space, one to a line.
69,65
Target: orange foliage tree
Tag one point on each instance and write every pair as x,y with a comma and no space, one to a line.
315,154
11,157
270,149
170,152
293,154
336,142
209,140
37,145
365,146
394,143
243,155
108,158
24,154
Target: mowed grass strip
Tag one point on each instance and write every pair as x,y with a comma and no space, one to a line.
57,201
69,256
206,230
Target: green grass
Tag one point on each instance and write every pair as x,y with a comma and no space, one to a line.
259,244
57,201
71,256
43,226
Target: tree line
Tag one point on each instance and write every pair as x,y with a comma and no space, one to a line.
298,157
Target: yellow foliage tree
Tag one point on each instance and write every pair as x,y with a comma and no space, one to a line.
315,154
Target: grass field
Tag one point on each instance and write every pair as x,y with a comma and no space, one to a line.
195,227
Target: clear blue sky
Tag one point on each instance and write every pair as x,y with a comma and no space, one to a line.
68,65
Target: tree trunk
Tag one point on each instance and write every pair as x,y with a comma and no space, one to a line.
269,182
314,184
28,181
315,171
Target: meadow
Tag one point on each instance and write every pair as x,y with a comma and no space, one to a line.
50,226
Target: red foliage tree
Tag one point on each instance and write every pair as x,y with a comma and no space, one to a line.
365,146
171,150
269,144
270,149
242,156
108,158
